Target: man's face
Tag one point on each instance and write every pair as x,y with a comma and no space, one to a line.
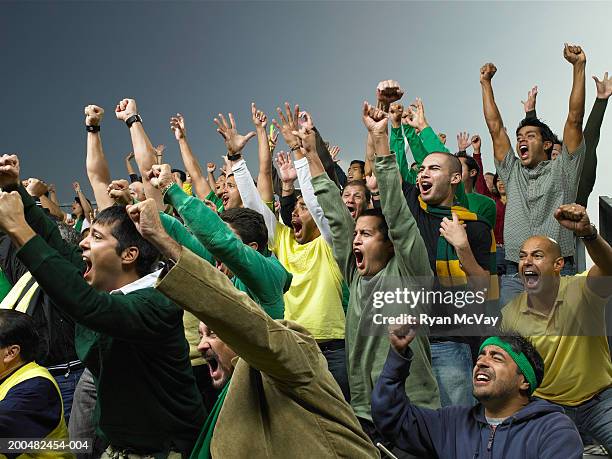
355,172
466,177
217,354
372,251
77,209
10,358
219,184
435,179
556,151
304,227
137,191
489,179
539,264
231,195
496,376
530,146
354,196
100,255
442,138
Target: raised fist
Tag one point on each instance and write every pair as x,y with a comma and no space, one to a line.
575,218
374,119
119,191
76,187
125,108
93,115
574,54
36,187
177,124
487,71
395,114
9,170
161,176
476,143
388,91
210,167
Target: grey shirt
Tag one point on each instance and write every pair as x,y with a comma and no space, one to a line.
534,195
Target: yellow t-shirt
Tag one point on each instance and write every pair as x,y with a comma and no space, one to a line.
576,361
314,299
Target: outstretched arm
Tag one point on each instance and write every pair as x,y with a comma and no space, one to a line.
87,209
530,104
572,133
97,166
501,141
264,179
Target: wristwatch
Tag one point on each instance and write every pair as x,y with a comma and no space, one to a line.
133,119
92,128
592,236
235,157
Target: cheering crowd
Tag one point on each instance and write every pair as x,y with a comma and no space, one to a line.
206,312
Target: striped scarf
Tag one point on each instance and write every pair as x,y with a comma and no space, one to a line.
448,268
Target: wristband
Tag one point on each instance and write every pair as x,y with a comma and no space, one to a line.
165,189
590,237
374,193
295,147
235,157
133,119
92,128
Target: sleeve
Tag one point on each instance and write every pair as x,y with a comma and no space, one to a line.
431,141
505,166
571,167
413,429
11,267
481,184
531,115
415,144
134,178
341,224
403,231
251,198
397,146
480,243
179,233
591,139
560,439
130,317
326,159
246,263
287,205
263,343
212,197
42,224
341,175
304,179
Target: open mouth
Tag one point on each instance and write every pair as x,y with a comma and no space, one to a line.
88,267
213,365
425,186
297,227
524,151
225,200
359,259
531,278
352,210
481,378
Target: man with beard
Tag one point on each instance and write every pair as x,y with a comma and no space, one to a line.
275,383
565,318
378,252
507,421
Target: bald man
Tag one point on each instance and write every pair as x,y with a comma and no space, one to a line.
564,318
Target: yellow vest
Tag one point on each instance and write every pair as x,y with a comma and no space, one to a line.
28,371
10,300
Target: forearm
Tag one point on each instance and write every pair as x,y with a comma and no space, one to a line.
192,167
144,154
98,171
369,155
601,253
397,145
212,183
53,198
469,264
591,140
481,184
572,133
312,204
495,124
87,210
130,169
53,208
264,178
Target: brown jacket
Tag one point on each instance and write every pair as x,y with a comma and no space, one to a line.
282,400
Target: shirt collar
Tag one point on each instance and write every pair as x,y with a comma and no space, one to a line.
558,301
139,284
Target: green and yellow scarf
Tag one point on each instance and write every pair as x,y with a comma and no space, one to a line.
448,268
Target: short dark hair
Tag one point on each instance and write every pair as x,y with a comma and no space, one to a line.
361,164
382,226
520,344
546,133
471,164
69,234
249,225
124,230
181,173
455,163
19,328
359,183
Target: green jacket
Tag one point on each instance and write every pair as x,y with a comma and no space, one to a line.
282,401
133,343
262,277
483,206
367,347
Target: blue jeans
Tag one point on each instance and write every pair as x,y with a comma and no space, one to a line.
452,365
512,284
594,418
67,384
335,353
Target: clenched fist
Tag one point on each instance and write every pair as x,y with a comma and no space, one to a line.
388,91
93,115
161,176
487,72
9,170
574,54
36,188
125,108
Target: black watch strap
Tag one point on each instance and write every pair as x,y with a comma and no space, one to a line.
92,128
235,157
133,119
592,236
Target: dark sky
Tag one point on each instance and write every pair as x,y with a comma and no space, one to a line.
201,58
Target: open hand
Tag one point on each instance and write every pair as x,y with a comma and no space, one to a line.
234,142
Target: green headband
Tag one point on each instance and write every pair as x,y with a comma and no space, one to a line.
520,359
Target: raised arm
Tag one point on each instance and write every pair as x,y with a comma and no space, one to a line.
572,133
530,103
192,165
575,218
501,141
37,188
264,179
144,152
97,166
130,169
397,142
481,184
87,209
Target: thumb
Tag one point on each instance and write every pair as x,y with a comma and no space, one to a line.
249,136
596,79
455,218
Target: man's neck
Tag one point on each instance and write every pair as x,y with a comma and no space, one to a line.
544,301
502,409
9,371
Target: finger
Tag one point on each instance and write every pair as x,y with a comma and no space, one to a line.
596,79
222,133
253,109
455,218
281,116
232,122
249,136
290,118
275,123
223,121
296,111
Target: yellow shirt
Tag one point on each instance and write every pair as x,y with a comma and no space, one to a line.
576,361
314,299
